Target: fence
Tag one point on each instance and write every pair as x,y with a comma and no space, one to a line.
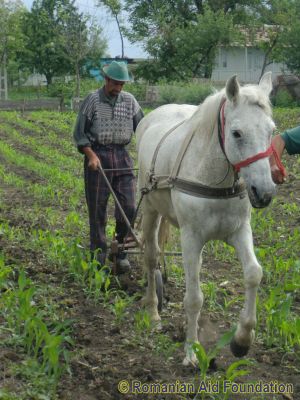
31,105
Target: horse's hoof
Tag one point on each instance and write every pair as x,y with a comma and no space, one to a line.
190,357
238,350
156,326
190,362
154,317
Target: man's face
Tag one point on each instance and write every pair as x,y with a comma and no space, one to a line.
112,87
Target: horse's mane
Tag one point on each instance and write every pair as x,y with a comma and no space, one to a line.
205,118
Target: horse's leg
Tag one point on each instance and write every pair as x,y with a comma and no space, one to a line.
193,299
150,225
244,335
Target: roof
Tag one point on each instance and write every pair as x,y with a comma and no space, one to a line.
255,36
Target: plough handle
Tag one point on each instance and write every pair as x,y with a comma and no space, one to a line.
119,206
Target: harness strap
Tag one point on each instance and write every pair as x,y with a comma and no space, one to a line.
179,158
185,185
221,125
199,190
152,167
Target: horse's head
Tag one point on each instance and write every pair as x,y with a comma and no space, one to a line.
247,136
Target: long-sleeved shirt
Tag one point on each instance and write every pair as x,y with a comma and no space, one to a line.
291,139
106,121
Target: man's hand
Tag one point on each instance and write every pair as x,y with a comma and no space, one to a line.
278,175
94,161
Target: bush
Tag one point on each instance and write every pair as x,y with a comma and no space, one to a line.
88,85
137,89
27,92
284,99
191,93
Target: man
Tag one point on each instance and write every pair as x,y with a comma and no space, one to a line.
289,140
106,121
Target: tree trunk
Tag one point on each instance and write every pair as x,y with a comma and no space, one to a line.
121,36
3,78
48,78
266,57
77,91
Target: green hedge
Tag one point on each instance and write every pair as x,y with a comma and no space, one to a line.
284,99
191,93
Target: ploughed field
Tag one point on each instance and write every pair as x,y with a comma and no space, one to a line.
68,331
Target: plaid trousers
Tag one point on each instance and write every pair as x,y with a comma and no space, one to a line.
97,194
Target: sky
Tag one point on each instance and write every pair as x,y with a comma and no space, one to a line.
110,29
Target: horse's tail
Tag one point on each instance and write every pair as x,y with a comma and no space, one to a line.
163,234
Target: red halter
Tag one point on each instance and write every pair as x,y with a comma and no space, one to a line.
270,150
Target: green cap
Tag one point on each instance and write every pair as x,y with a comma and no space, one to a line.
117,70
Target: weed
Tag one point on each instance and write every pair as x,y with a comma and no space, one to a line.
142,322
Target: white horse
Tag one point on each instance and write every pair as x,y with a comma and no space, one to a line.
190,165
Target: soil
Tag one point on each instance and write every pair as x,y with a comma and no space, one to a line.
105,352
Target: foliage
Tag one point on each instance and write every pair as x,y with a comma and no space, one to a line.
182,39
11,38
43,48
82,41
284,99
290,46
57,38
26,322
204,358
190,93
183,52
115,8
147,18
137,89
273,18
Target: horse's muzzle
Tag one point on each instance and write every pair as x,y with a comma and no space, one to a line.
259,199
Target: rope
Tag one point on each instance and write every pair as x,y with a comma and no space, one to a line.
278,162
120,169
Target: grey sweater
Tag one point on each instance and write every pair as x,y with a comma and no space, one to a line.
105,121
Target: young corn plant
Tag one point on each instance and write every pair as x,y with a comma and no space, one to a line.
119,306
28,329
142,322
204,360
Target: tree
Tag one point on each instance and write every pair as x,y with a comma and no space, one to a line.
81,40
146,17
115,8
10,34
44,47
57,38
182,36
272,19
290,46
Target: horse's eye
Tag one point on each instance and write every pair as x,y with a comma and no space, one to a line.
236,134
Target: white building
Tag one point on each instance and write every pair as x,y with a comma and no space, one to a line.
246,61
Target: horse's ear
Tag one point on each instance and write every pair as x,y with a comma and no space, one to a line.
232,89
266,83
